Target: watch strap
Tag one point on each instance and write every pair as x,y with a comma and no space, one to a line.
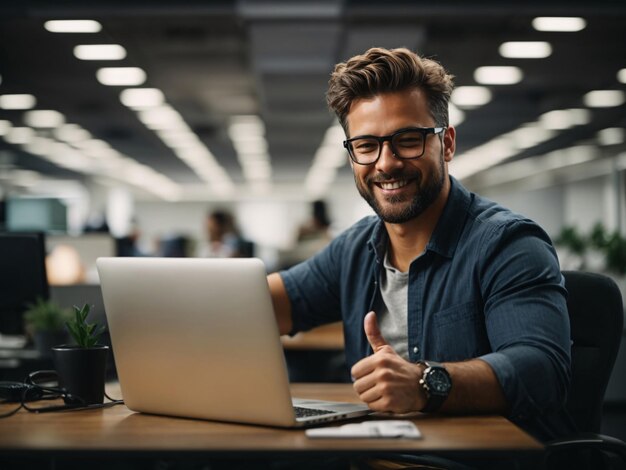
434,401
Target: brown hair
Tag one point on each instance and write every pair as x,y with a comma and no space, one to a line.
387,70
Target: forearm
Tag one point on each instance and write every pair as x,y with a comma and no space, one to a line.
475,389
387,382
281,302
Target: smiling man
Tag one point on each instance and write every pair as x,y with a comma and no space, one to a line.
450,302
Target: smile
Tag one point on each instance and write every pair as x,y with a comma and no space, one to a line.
394,184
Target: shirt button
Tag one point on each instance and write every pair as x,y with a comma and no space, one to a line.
416,350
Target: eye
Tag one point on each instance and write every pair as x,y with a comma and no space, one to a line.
365,145
409,140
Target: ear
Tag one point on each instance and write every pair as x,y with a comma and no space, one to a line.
449,143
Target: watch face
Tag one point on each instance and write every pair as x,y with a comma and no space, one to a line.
439,382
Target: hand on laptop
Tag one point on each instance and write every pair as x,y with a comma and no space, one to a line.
385,381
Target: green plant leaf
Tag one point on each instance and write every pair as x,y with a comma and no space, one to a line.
85,334
45,315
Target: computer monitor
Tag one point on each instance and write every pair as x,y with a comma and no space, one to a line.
28,214
22,277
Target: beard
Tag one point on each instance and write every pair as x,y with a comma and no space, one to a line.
401,209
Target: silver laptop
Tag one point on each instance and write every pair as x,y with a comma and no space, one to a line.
198,338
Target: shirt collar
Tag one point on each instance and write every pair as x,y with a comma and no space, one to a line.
445,237
378,241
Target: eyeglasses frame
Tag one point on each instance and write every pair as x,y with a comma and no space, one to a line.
425,131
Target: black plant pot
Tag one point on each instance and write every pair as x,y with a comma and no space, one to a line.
81,372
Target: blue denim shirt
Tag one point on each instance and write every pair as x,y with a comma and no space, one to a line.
488,285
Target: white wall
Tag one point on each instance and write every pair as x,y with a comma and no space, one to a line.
587,203
156,220
581,204
545,206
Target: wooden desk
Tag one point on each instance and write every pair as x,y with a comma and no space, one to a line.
117,431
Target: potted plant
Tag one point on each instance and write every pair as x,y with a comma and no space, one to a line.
82,366
616,254
45,321
571,247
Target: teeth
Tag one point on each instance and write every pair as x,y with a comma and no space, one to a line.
394,185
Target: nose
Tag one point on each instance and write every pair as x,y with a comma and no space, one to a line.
388,162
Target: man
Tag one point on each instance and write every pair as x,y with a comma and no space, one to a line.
466,301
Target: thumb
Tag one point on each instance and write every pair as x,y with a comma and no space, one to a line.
374,336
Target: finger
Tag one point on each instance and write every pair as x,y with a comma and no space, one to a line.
372,331
364,383
367,388
370,395
378,404
362,368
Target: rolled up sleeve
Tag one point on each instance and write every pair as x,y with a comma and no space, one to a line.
313,289
526,319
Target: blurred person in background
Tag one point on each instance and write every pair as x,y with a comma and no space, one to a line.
312,236
318,225
223,239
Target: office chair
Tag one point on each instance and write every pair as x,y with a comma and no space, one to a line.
596,316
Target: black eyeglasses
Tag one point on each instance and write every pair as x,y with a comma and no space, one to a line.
406,144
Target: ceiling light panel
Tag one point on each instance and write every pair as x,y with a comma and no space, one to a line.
138,98
498,75
611,136
17,101
99,52
247,133
525,49
162,117
4,127
121,76
621,75
471,96
71,133
76,151
174,132
561,119
559,24
72,26
604,98
505,146
44,118
529,135
455,115
19,135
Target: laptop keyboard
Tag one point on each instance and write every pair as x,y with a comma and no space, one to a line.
307,412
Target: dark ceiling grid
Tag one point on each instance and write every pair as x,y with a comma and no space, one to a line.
273,58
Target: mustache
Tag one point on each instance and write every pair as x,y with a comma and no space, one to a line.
397,175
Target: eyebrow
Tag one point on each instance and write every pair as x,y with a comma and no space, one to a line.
394,132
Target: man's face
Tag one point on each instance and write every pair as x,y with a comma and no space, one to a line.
400,190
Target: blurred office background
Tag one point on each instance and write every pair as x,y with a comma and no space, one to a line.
123,124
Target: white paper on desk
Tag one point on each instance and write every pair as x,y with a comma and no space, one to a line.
369,429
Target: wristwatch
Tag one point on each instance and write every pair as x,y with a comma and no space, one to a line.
436,383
